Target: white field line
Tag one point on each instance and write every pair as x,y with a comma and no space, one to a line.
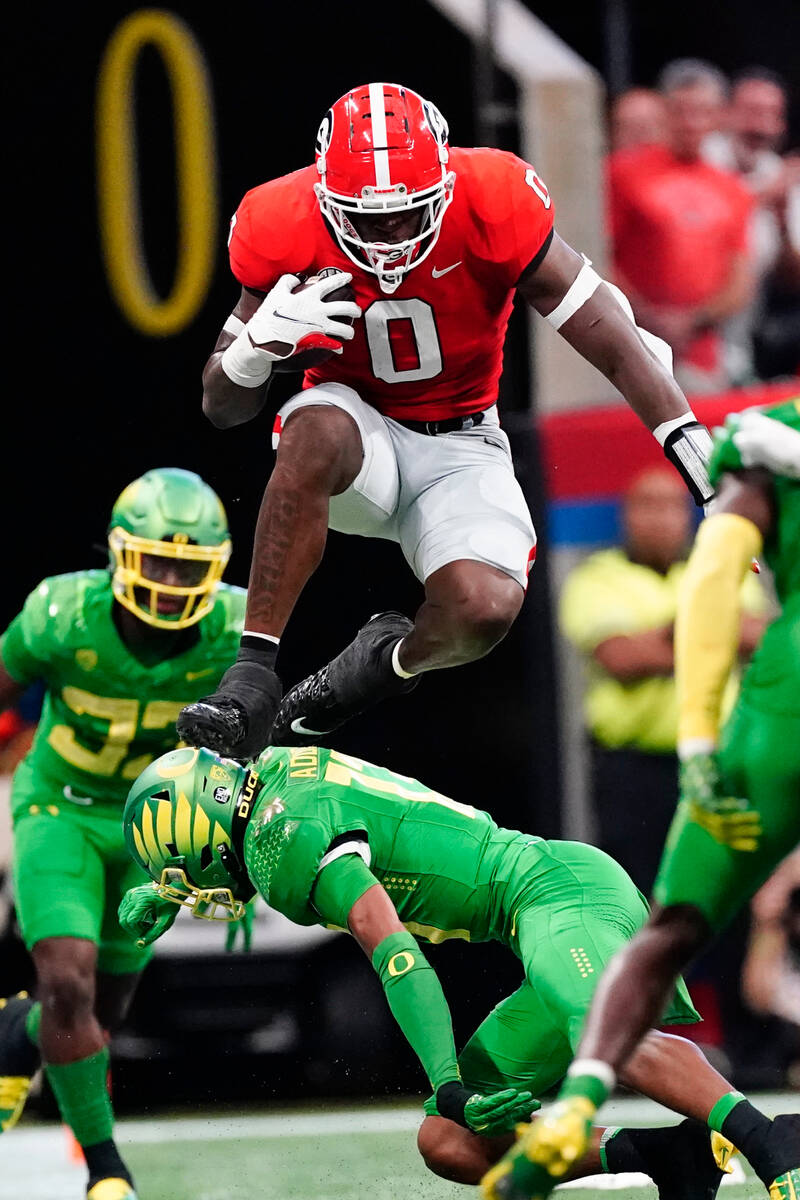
36,1163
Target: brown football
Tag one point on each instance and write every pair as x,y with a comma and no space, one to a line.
304,360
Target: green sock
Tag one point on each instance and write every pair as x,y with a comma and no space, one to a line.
33,1021
82,1096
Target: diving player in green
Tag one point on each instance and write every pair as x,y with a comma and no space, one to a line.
120,652
739,810
328,839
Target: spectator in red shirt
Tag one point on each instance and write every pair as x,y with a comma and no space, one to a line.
680,229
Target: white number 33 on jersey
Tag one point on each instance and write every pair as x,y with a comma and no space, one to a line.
533,181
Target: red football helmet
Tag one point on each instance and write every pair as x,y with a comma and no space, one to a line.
382,148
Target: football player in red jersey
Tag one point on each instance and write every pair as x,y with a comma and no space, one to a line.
395,433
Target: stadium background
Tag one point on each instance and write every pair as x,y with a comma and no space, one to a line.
93,401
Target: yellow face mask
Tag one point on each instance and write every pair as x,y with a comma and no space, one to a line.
170,585
210,904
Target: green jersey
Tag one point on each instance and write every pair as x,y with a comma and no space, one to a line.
106,713
781,546
448,868
771,680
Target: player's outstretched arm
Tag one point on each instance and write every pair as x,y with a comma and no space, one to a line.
414,994
592,316
708,615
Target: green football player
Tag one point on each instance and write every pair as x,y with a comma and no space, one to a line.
328,839
120,651
739,810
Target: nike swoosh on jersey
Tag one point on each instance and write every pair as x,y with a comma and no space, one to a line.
438,274
70,795
298,727
190,675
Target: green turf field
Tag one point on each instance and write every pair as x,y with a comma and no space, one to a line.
334,1154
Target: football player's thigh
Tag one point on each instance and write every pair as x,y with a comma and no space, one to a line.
475,512
759,760
519,1044
564,952
118,953
58,875
368,506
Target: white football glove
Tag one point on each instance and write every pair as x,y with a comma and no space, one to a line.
302,320
762,442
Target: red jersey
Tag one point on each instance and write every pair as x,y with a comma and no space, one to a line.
434,348
675,225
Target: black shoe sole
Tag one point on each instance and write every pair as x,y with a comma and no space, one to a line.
206,725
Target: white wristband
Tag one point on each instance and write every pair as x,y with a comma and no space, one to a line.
662,431
245,363
688,747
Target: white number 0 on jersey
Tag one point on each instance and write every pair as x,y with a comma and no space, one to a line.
426,336
533,181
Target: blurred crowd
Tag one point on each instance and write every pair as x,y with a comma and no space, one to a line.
704,221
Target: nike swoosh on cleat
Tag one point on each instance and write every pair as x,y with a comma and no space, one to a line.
297,726
438,274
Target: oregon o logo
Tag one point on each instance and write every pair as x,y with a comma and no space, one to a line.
117,177
401,962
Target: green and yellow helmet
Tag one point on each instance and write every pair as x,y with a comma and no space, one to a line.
169,545
184,823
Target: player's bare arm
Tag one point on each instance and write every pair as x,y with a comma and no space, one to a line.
270,327
226,403
591,317
10,690
601,332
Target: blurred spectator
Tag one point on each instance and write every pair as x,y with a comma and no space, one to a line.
618,609
679,228
755,131
637,118
771,972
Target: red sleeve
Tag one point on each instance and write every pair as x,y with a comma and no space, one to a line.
270,231
513,207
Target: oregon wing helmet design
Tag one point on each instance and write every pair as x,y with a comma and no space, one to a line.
184,823
169,545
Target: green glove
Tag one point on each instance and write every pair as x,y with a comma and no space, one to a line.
730,820
245,925
487,1115
145,915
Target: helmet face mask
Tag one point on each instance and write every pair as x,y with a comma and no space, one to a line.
209,904
184,823
169,546
383,149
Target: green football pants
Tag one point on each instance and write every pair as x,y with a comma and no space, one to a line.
759,759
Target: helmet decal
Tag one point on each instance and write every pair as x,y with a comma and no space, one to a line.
438,126
324,136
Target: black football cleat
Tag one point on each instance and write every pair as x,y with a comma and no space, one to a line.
782,1174
19,1058
236,720
359,677
685,1162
